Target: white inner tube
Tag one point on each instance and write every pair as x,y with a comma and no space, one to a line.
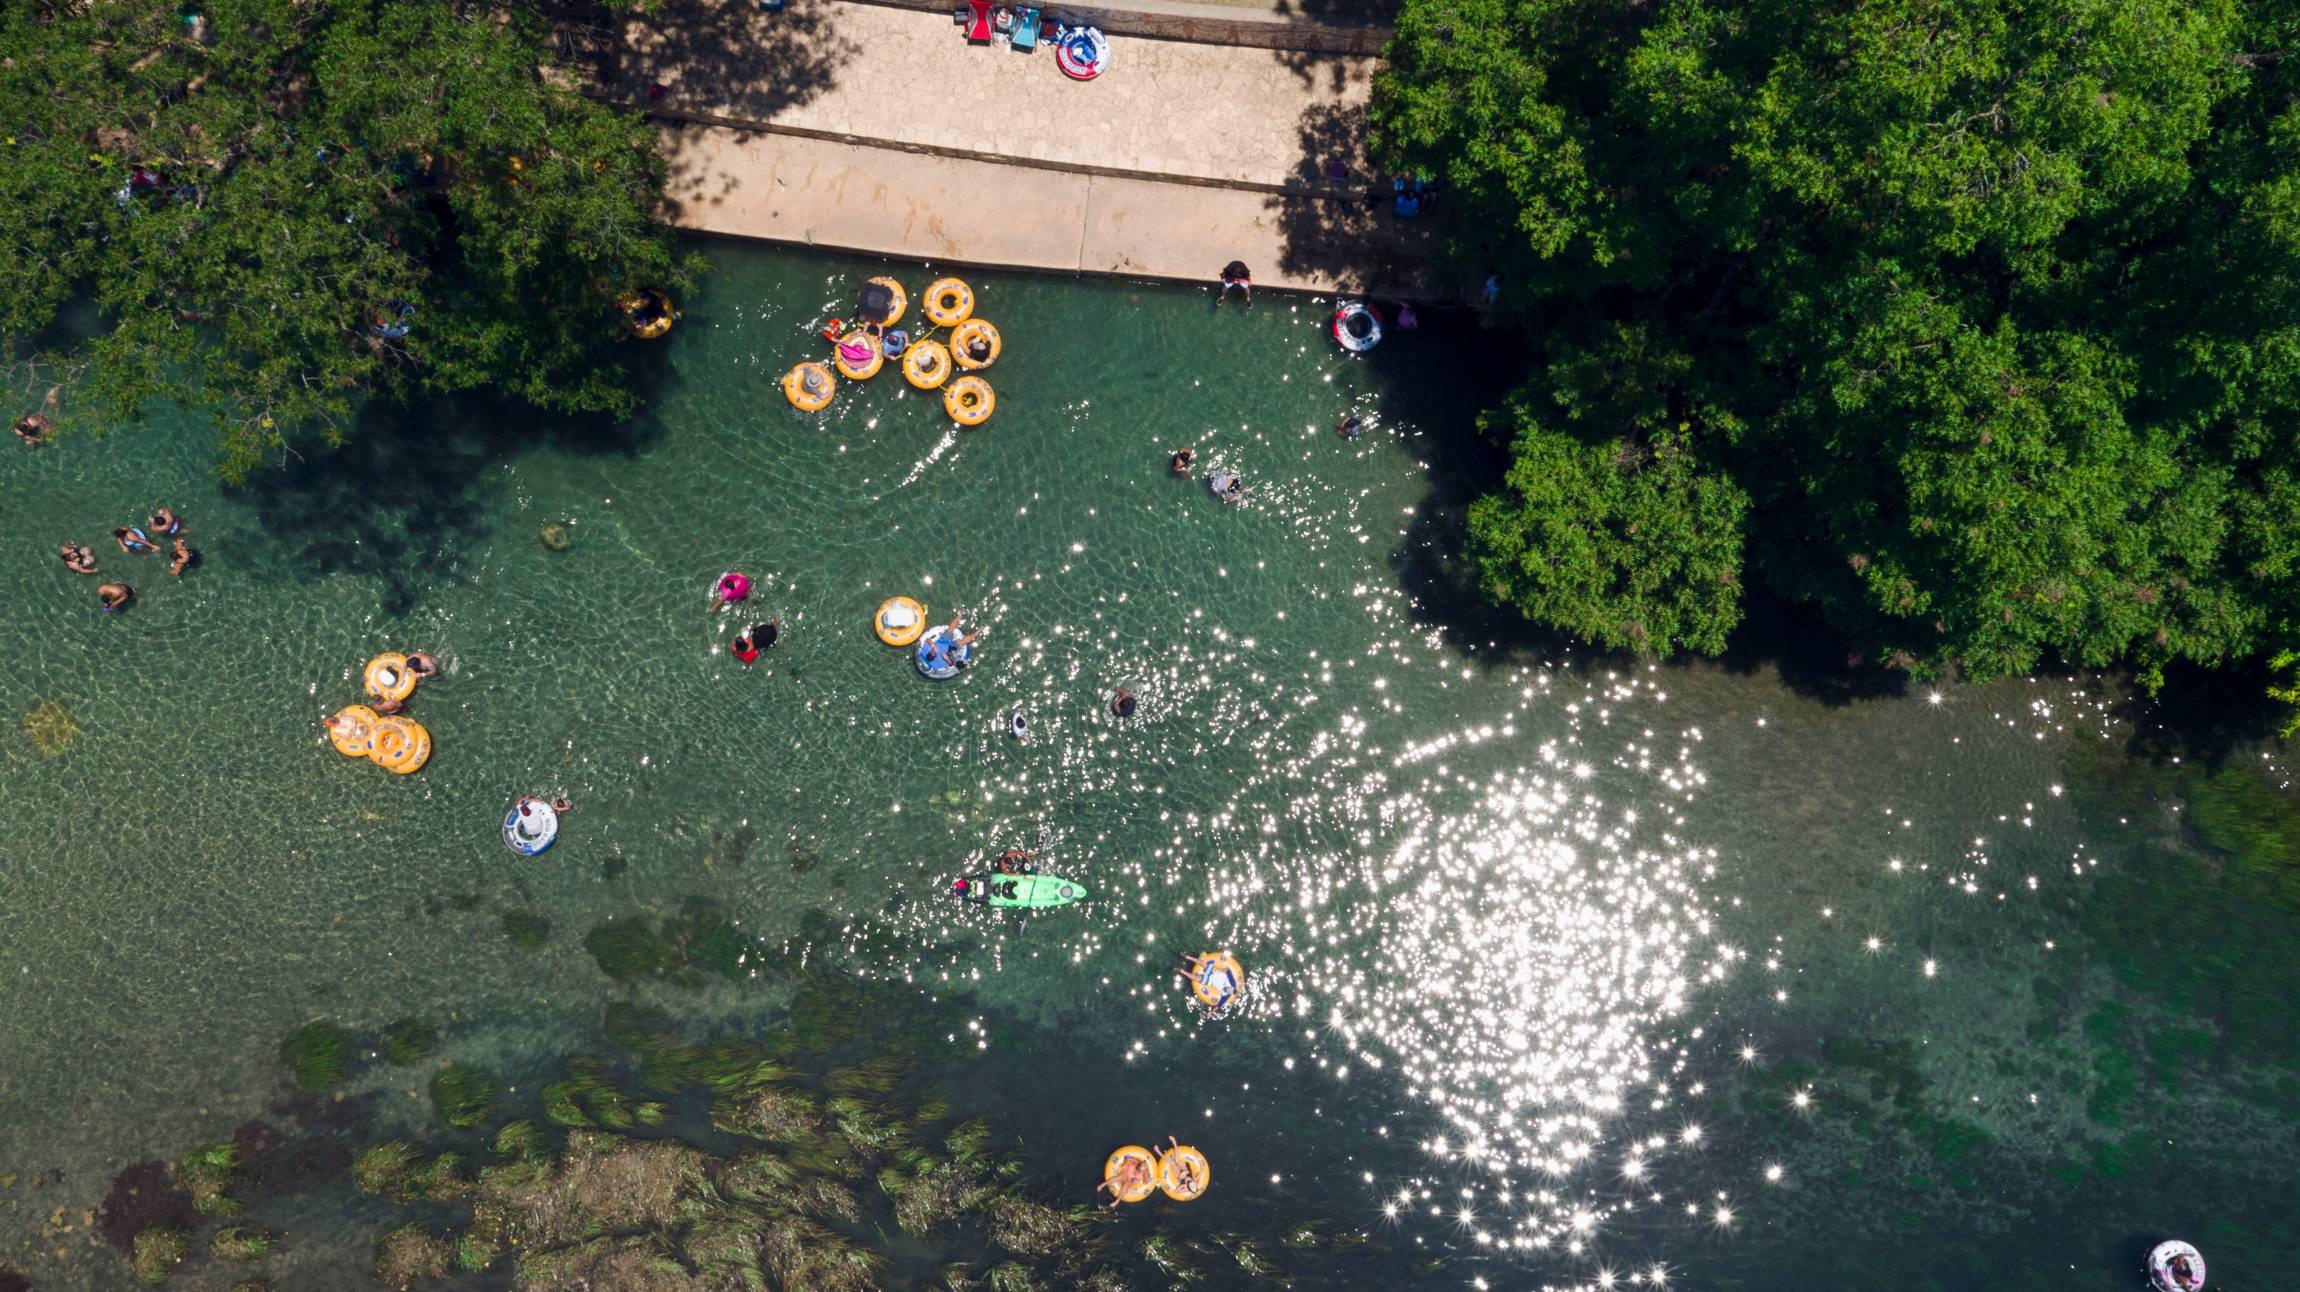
530,826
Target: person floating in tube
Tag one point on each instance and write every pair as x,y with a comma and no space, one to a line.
942,652
1132,1174
1186,1181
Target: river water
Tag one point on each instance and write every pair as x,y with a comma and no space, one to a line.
1564,971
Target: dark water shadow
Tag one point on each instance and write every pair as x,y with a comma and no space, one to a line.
2202,715
1797,644
410,488
1462,463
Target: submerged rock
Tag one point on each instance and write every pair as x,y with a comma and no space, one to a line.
52,728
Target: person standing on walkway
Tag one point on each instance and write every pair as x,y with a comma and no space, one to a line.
1235,274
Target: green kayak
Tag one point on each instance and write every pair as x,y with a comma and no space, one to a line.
1034,890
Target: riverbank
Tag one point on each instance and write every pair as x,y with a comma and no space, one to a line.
873,128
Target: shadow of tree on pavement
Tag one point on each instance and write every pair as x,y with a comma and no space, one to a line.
723,57
1343,231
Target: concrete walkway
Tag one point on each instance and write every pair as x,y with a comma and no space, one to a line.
880,129
903,77
920,206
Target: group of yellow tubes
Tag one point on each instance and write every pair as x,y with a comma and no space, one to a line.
926,364
398,745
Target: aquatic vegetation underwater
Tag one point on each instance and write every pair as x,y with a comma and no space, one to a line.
316,1054
409,1040
795,1159
52,728
463,1095
2196,916
680,950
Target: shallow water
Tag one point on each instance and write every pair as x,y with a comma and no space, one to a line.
1564,970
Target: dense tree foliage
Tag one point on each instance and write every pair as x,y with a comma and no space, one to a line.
1987,306
281,208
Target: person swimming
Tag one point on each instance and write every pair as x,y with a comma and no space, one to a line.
422,663
114,596
768,633
134,541
1183,460
32,429
185,558
164,523
78,557
1350,425
744,648
1014,861
1122,704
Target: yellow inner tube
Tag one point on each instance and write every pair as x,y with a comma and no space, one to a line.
896,634
948,302
1170,1173
353,731
901,302
962,344
663,317
389,677
926,364
795,387
863,371
969,401
402,745
1149,1173
1218,962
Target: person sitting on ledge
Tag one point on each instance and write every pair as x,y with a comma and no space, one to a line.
1235,274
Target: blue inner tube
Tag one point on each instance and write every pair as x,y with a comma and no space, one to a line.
938,658
530,832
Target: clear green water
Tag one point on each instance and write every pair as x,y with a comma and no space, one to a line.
1512,914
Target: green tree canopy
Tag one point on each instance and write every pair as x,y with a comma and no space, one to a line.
260,196
1987,306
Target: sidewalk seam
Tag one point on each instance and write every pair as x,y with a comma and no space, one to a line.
1085,222
679,116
